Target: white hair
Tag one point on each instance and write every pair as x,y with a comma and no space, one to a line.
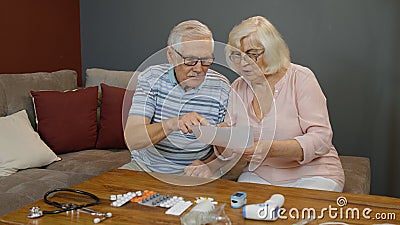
262,34
190,29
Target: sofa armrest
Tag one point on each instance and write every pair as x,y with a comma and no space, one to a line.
357,174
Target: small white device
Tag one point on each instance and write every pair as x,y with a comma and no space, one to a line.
238,200
264,211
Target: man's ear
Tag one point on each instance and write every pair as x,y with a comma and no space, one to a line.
170,55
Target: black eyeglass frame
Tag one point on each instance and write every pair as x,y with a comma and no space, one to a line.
253,56
195,60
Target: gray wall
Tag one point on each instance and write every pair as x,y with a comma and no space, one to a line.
352,47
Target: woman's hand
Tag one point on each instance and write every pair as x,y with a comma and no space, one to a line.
197,169
223,124
249,152
289,150
258,152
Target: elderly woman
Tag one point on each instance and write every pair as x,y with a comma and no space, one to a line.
287,110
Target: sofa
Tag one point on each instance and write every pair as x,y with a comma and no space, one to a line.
28,185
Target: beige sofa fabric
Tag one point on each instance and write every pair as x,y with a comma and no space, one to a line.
357,174
95,76
28,186
92,162
18,86
3,101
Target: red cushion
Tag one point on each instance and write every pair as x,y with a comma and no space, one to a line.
113,116
67,120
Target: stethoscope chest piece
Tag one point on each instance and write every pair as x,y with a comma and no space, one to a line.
35,212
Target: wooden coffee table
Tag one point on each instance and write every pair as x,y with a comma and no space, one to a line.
296,200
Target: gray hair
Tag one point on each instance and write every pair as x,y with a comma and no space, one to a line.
191,29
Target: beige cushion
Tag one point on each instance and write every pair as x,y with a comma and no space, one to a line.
95,76
21,146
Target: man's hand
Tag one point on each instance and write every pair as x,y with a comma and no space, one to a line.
198,169
185,122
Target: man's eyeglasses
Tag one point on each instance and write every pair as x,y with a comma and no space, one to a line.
192,61
236,56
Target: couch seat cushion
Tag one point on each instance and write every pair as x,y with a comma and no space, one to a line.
28,186
93,162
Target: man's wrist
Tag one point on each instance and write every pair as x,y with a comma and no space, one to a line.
168,125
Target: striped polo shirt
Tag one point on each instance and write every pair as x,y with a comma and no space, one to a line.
158,96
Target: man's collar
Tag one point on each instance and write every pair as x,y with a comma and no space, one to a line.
171,76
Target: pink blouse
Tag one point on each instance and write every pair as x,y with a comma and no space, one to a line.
299,112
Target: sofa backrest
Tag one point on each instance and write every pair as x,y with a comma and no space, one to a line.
95,76
15,89
3,101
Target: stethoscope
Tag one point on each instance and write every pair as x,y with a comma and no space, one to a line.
65,207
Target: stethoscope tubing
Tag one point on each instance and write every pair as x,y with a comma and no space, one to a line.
68,207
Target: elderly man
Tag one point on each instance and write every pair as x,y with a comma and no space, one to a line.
170,99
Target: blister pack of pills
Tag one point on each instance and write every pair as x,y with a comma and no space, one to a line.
164,201
175,204
121,199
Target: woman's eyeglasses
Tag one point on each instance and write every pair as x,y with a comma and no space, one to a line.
236,56
192,61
